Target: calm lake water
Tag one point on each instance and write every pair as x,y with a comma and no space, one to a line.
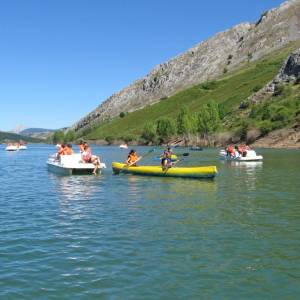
127,237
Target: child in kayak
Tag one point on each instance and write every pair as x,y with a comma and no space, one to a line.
166,159
132,158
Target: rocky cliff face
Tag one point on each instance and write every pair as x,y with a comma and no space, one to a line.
289,72
206,61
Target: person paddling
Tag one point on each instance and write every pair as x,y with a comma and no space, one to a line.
166,159
132,158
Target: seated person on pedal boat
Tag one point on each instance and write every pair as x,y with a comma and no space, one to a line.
68,150
60,151
87,157
81,146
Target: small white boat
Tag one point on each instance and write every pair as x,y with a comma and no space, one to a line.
250,156
22,147
12,148
123,146
71,165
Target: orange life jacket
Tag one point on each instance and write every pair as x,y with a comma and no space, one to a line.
132,158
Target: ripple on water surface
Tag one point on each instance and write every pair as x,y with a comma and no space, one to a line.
127,237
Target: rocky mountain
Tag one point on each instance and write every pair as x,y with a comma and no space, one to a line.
40,133
208,60
8,137
289,73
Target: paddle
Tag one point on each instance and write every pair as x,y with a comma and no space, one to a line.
140,158
174,142
178,155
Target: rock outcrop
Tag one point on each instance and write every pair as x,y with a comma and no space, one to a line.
289,72
206,61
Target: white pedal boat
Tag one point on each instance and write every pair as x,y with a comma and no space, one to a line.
123,146
250,156
22,147
71,165
12,148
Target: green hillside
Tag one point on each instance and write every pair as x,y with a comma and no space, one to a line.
13,137
229,91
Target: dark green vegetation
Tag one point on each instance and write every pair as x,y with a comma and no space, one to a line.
60,136
278,111
226,94
13,137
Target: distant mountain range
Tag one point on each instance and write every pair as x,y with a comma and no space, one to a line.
6,137
40,133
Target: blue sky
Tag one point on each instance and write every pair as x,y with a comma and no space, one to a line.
59,59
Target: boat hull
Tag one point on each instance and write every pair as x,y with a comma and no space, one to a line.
251,156
11,148
186,172
71,165
243,159
70,171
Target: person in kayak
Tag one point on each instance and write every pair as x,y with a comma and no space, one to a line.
132,158
87,157
166,159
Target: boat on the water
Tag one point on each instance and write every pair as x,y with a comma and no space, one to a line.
22,147
71,165
123,146
250,156
184,172
11,148
195,148
15,147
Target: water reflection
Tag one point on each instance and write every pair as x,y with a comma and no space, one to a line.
76,187
176,188
247,165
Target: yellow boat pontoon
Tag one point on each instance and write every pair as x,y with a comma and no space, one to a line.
185,172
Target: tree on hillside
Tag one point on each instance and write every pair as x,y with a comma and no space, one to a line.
149,133
70,136
58,137
165,129
208,119
109,139
184,121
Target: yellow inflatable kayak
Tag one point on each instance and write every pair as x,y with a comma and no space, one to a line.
185,172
